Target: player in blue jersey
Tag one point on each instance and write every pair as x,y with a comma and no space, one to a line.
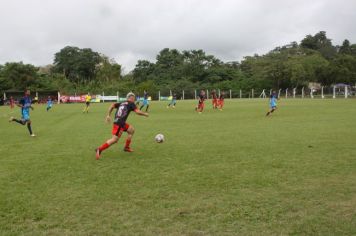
272,103
49,103
145,101
25,104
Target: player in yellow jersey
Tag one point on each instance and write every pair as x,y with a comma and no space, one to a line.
87,103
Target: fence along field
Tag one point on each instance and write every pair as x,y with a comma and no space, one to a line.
339,91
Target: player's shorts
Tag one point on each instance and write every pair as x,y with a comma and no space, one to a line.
273,106
88,103
25,117
117,129
221,102
215,101
201,105
145,102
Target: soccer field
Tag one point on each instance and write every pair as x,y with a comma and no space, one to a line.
231,172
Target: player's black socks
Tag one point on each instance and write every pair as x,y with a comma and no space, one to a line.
147,107
29,128
141,107
21,122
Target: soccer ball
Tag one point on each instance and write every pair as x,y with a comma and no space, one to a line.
159,138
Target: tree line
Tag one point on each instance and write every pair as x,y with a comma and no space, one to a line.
314,59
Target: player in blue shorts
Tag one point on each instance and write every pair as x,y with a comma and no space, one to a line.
49,103
272,103
146,103
25,104
137,100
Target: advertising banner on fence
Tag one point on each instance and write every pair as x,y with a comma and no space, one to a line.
99,98
79,98
107,98
166,98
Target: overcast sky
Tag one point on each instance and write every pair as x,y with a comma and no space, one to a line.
127,30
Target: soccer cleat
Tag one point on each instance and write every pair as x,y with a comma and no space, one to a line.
33,135
97,153
128,149
11,119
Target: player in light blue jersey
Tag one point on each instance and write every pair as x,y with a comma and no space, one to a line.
272,103
146,103
25,104
49,103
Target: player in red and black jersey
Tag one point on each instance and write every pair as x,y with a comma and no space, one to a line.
221,100
201,104
214,99
122,113
12,102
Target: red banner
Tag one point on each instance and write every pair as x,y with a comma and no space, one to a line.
66,99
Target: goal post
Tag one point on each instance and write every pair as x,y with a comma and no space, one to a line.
334,92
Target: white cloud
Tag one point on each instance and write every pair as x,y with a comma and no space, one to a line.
33,30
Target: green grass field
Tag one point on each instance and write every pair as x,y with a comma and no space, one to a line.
233,172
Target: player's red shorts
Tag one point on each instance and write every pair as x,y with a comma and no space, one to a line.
117,129
221,103
201,105
215,101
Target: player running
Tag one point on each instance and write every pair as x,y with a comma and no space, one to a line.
214,99
49,103
145,101
201,104
12,102
87,103
173,101
272,103
221,101
25,104
137,100
122,112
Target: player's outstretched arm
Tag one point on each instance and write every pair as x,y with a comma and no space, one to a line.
141,113
108,116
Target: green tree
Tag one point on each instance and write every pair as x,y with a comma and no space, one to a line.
77,65
321,43
19,76
142,70
108,70
342,70
346,48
